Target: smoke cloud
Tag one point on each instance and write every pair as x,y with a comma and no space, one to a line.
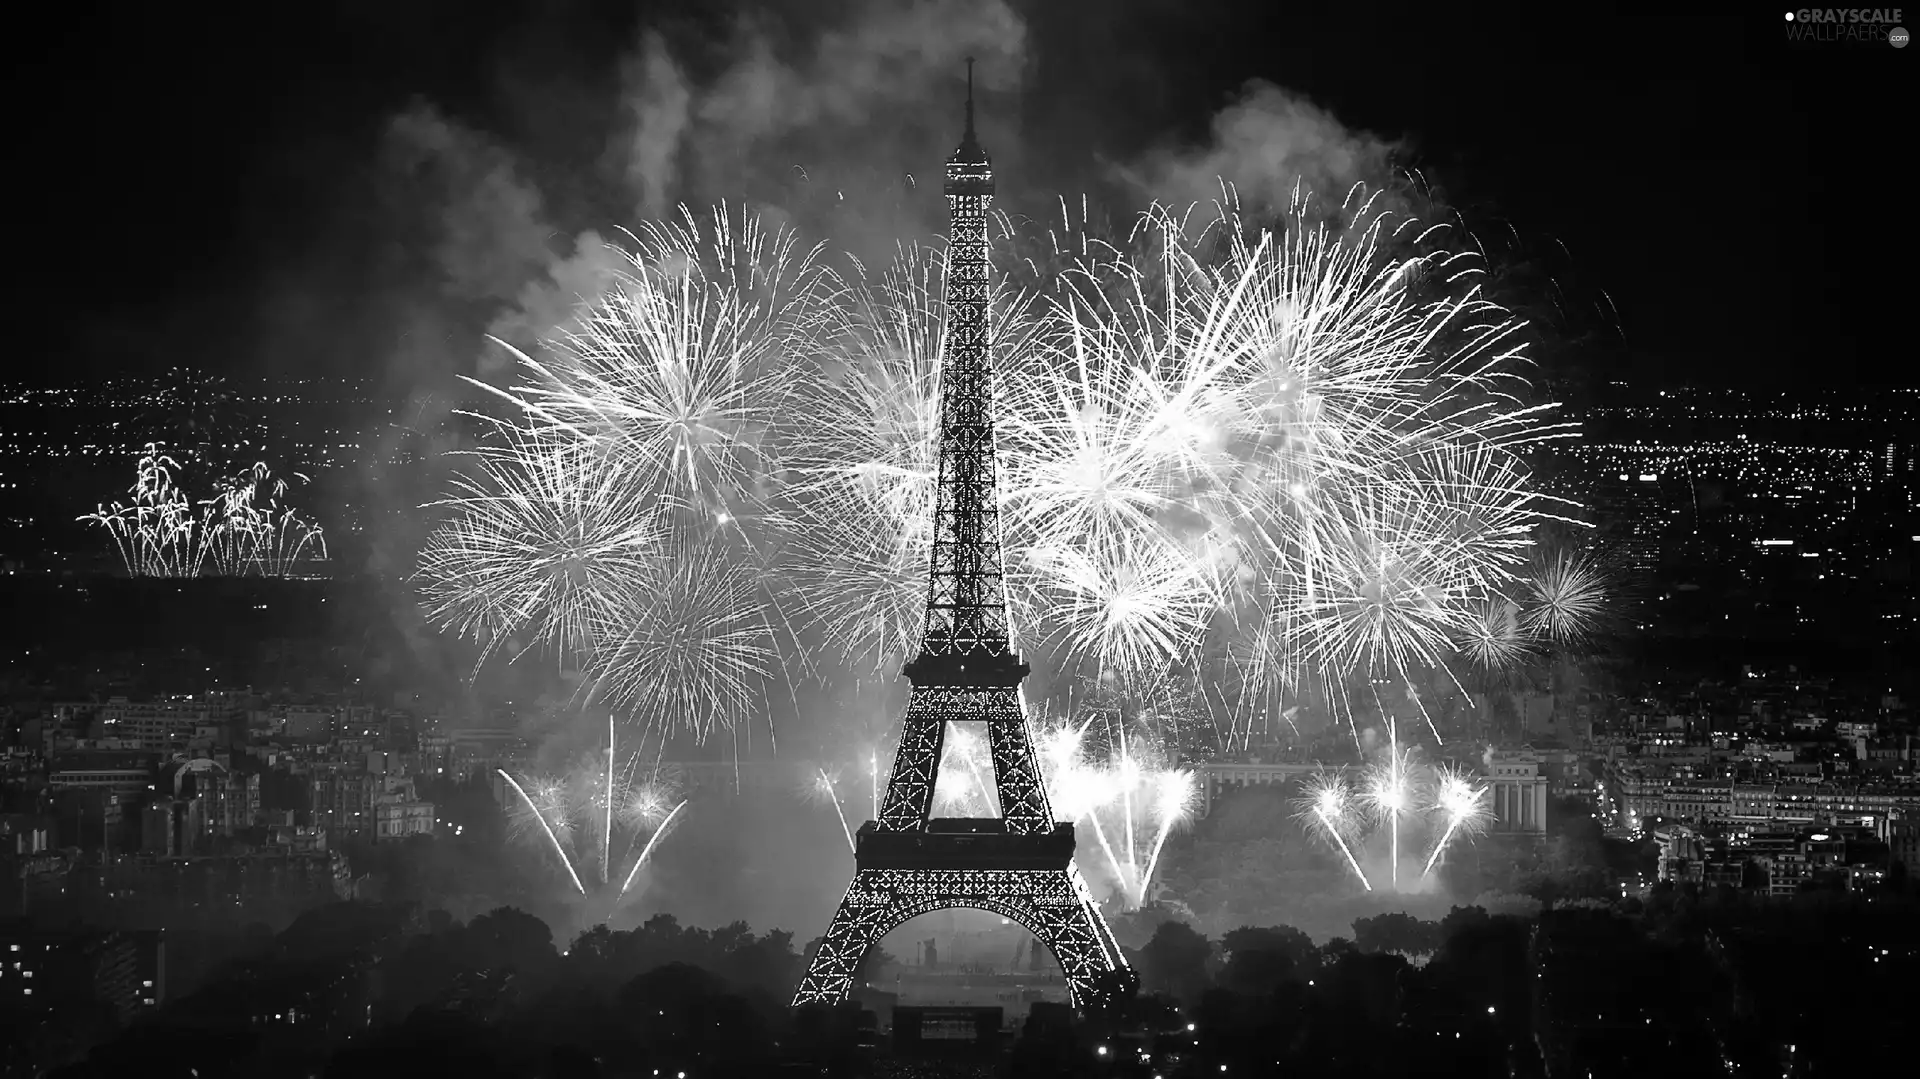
1265,144
834,122
796,124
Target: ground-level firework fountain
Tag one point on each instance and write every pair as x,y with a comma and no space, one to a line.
601,818
1393,793
241,531
1130,799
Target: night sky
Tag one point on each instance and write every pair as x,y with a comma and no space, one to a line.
200,191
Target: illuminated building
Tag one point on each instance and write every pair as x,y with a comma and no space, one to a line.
1517,793
1219,777
171,725
398,811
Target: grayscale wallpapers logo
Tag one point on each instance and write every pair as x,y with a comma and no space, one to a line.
1862,26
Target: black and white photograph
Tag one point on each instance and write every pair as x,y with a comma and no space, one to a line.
959,539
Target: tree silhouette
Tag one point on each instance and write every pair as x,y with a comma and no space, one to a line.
1175,960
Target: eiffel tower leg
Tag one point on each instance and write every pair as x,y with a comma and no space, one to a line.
1052,904
854,929
1023,802
909,797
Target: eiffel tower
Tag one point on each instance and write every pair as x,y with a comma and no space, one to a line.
1018,865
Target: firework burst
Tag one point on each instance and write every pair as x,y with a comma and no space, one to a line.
682,366
546,538
689,649
1569,597
625,520
1287,453
860,458
1291,450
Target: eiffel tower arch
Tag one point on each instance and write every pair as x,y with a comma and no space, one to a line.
1018,865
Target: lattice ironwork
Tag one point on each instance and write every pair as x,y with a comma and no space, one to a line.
1019,865
1016,770
1054,905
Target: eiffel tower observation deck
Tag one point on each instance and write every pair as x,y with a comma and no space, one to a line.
1018,865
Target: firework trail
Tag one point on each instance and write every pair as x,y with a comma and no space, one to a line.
156,533
646,852
1327,810
542,812
1389,795
1173,796
823,786
1122,785
599,813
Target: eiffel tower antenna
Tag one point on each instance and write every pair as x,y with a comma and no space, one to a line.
1018,865
969,137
